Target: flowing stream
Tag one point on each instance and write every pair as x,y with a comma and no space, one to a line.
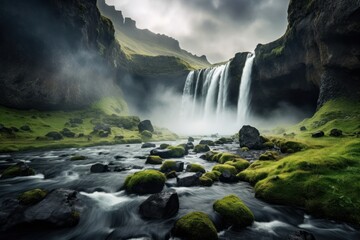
112,214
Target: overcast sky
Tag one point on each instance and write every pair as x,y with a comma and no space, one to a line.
216,28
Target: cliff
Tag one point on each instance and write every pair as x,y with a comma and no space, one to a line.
58,54
317,59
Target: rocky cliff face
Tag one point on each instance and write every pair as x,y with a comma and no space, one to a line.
317,59
58,54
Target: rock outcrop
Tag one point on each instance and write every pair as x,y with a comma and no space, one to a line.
317,59
56,54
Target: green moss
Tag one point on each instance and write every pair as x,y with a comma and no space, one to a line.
225,167
193,167
176,151
200,148
239,164
146,134
154,160
234,211
269,155
195,226
77,158
32,197
213,175
244,149
268,144
225,157
168,166
205,181
145,182
164,145
16,171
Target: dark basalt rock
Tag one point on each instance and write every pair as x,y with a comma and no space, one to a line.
303,128
188,179
60,208
301,235
227,177
250,137
191,139
160,205
207,142
317,134
54,136
148,145
18,170
25,128
189,145
336,133
145,125
99,168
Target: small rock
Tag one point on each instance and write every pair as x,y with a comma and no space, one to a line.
336,132
54,136
303,128
160,205
227,177
189,145
188,179
25,128
148,145
99,168
191,139
317,134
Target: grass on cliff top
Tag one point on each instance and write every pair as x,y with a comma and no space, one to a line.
43,122
324,178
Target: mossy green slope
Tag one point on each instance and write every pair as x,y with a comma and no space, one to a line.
324,177
111,111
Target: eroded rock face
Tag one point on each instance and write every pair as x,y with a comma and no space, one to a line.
315,61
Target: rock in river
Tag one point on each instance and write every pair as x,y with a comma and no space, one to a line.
160,205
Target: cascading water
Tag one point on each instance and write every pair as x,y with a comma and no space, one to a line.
205,100
243,102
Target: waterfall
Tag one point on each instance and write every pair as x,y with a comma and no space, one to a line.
205,99
244,90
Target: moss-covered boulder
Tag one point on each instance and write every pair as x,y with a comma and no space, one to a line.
289,146
239,164
153,160
32,197
170,165
18,170
200,148
145,182
269,155
195,226
176,151
205,181
194,167
164,145
233,211
244,149
225,167
213,175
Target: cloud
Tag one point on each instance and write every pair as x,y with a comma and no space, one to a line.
216,28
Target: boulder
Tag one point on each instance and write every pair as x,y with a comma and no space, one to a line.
194,226
201,148
224,140
145,126
78,158
301,235
191,139
153,160
169,152
194,167
67,133
250,137
145,182
160,205
164,145
188,179
17,170
58,209
317,134
148,145
228,177
146,134
32,197
303,128
54,135
99,168
205,181
189,145
336,132
233,211
170,165
207,142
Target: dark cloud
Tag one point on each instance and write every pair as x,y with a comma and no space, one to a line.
216,28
